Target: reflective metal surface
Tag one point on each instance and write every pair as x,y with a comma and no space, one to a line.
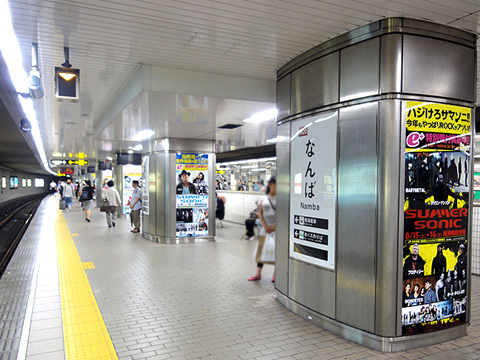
391,63
160,224
438,68
388,263
283,97
359,70
317,82
283,194
356,235
365,286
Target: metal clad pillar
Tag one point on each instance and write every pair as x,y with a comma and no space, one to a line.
161,223
345,269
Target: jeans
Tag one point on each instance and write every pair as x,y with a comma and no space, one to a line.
68,202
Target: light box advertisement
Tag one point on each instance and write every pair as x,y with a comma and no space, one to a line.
191,194
437,190
313,191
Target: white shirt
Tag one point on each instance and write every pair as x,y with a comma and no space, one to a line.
68,190
269,214
112,196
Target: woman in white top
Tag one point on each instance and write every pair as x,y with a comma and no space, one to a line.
113,198
267,212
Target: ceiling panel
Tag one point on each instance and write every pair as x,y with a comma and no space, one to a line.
108,40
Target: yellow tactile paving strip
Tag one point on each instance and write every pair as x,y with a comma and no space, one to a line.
85,333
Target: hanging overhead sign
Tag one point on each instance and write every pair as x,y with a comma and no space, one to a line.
58,162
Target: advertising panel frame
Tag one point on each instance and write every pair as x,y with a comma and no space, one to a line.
436,218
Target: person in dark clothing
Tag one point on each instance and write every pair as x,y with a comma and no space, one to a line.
439,263
414,264
250,223
219,208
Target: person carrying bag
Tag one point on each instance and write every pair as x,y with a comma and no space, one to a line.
265,252
110,202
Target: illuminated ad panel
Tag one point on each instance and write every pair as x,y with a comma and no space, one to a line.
437,167
191,194
313,193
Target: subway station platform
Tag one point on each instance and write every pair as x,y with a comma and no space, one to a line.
78,290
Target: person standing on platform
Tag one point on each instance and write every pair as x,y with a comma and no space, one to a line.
53,187
68,192
136,206
113,198
267,212
88,191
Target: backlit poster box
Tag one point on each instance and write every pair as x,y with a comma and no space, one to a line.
313,190
191,194
437,190
130,173
13,182
24,182
29,182
39,183
4,182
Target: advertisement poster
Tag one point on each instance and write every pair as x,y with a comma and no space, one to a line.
476,185
192,194
130,173
313,190
146,186
437,166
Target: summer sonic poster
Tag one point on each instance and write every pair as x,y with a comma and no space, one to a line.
437,190
191,194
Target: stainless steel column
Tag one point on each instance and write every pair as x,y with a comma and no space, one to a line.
160,223
366,77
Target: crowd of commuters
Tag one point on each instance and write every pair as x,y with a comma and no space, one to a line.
264,216
86,192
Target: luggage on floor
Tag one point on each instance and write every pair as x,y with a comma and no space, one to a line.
62,204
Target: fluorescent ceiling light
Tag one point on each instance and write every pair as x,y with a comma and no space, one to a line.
259,169
262,116
11,50
13,58
247,161
138,147
272,140
144,134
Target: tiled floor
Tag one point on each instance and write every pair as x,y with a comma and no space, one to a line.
193,301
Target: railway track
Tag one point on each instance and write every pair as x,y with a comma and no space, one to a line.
13,225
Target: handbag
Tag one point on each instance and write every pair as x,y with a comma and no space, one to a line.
104,206
84,196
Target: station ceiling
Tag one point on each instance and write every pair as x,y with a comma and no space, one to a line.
108,41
